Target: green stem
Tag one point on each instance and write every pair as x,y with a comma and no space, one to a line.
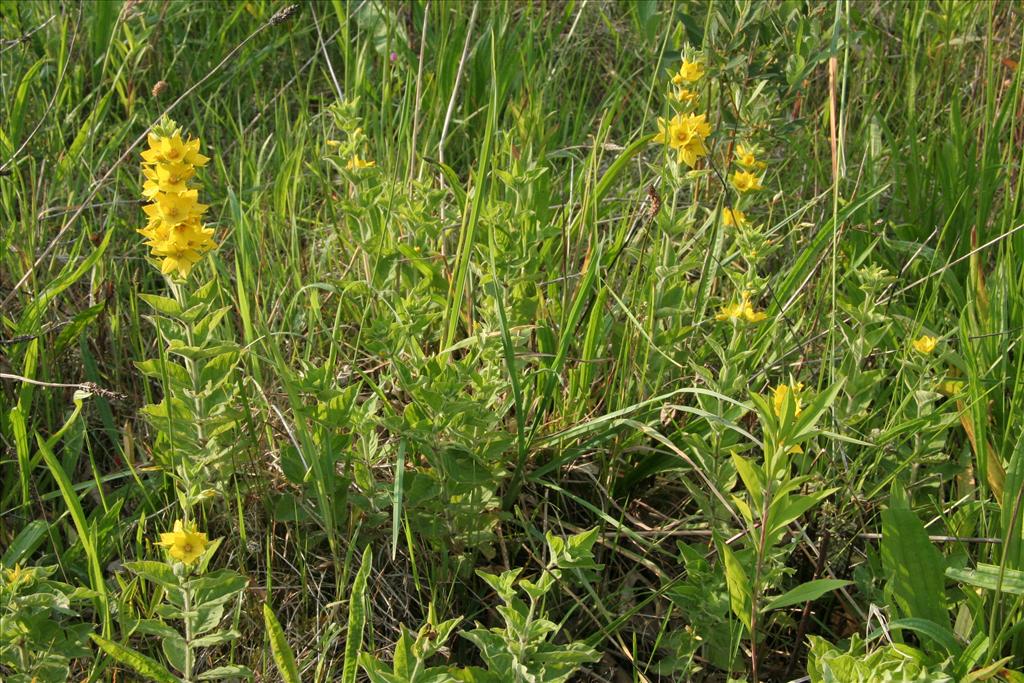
187,599
193,373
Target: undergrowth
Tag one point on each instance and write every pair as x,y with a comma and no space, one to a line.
537,341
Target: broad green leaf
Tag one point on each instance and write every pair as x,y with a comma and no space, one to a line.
162,304
175,651
157,572
914,567
217,587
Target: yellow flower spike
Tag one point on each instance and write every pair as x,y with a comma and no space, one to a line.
174,233
357,164
745,181
689,72
925,344
184,543
685,133
734,218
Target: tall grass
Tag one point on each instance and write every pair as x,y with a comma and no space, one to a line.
506,329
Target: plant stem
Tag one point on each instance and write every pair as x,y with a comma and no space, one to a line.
187,599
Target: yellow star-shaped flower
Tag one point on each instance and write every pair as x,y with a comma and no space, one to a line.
184,543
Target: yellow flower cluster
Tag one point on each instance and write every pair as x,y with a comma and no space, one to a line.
742,311
175,233
779,395
734,218
357,163
779,398
686,132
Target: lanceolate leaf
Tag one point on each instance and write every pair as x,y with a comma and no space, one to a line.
284,659
148,667
356,618
990,577
812,590
740,597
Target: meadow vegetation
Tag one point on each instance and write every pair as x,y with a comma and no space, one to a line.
511,342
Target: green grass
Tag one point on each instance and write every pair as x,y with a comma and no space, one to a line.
396,383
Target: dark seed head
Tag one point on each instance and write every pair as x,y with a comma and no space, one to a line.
284,14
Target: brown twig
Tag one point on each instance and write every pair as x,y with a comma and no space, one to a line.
91,387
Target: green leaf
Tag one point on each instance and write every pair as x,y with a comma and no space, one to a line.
356,618
175,651
805,592
25,543
231,671
217,587
284,658
991,577
809,417
148,667
205,618
216,639
753,478
942,636
915,568
786,508
157,572
162,304
740,597
574,552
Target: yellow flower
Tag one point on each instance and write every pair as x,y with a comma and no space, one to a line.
779,398
925,344
171,209
745,181
686,96
734,218
178,247
747,157
333,143
19,574
689,72
167,177
742,311
357,164
184,543
685,133
172,149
